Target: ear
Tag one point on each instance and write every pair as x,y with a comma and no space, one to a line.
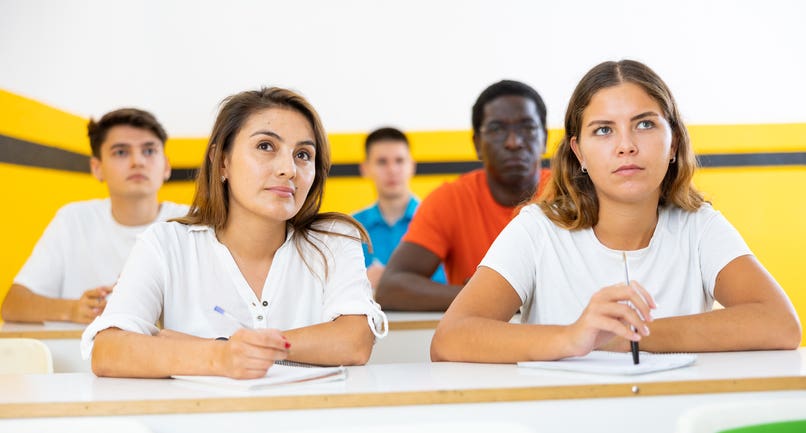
362,168
575,148
413,167
167,173
477,146
673,151
95,168
224,166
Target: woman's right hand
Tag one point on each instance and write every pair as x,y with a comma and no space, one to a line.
250,353
608,316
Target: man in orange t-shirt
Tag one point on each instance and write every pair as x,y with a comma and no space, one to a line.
459,220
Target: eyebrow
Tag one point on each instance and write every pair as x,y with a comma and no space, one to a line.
127,145
632,119
275,135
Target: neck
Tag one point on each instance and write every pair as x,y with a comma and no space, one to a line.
251,237
137,211
393,208
509,196
626,226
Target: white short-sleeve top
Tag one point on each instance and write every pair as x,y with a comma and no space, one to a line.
556,271
82,248
183,272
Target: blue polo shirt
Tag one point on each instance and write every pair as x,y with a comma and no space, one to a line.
385,237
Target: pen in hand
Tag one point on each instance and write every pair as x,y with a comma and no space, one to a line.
633,344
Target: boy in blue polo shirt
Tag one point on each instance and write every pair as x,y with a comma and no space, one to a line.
389,165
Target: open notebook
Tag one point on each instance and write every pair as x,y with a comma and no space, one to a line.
600,362
278,374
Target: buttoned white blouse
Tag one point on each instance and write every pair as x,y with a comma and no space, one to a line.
182,272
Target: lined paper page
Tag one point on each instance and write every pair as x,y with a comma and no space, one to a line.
600,362
277,375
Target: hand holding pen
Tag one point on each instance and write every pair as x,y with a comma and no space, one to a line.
250,353
608,315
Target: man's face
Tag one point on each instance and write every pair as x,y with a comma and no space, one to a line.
132,163
390,167
511,140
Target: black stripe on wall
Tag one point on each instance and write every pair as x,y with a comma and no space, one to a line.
21,152
29,154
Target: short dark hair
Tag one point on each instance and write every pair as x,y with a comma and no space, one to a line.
384,134
506,88
133,117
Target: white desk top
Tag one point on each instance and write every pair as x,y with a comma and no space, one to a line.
398,320
74,394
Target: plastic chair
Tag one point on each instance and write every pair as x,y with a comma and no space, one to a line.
765,414
24,356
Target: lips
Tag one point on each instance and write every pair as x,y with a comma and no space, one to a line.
628,169
137,177
282,191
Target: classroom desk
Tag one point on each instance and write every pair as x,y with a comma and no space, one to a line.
409,340
401,394
62,338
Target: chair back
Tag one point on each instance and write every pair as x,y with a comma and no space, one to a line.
24,356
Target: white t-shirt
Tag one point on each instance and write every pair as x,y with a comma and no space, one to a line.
556,271
82,248
183,272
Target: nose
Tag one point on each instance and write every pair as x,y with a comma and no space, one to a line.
285,166
626,145
137,159
513,140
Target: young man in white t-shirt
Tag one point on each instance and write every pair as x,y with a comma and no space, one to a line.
78,258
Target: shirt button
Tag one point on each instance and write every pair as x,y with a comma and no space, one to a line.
259,317
265,303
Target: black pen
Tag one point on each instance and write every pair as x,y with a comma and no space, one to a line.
633,344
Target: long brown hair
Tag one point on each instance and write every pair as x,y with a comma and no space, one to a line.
569,198
211,201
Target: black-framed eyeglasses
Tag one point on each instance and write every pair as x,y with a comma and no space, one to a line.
498,132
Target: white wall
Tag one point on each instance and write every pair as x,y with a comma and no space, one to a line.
418,64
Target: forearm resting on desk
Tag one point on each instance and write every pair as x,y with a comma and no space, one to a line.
347,340
407,291
23,305
742,327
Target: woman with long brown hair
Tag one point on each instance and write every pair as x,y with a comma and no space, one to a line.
254,273
620,201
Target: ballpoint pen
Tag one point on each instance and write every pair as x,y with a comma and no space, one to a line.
633,344
224,313
221,311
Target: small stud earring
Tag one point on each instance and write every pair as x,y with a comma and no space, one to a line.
223,179
584,170
673,160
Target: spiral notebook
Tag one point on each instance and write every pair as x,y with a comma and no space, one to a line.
278,374
599,362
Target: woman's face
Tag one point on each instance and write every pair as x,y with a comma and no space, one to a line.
625,143
271,164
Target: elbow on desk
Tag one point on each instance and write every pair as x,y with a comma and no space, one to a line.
439,349
791,336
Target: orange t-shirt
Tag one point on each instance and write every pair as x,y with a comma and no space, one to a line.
459,221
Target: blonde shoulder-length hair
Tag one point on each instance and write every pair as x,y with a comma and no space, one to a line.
569,199
211,201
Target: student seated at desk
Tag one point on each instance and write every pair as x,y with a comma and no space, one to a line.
79,256
621,184
388,163
458,221
290,280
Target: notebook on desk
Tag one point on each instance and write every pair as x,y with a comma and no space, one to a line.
599,362
278,374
